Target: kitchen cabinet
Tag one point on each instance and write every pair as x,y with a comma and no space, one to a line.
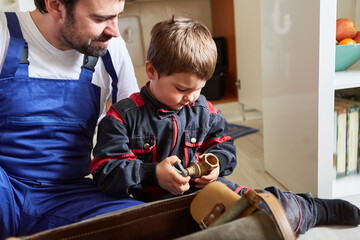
248,52
299,84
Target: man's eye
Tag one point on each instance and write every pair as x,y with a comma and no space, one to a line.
181,90
100,19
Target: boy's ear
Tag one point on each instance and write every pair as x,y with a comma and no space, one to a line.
150,71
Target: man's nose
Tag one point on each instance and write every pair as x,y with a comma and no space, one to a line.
112,28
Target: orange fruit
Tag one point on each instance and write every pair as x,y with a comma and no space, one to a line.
347,41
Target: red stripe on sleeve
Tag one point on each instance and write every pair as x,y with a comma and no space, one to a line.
212,109
137,99
98,162
213,142
113,113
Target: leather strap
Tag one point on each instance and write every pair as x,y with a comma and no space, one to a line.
236,207
254,200
212,194
218,209
279,215
241,208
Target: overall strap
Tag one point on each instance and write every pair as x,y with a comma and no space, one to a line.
16,56
111,71
88,68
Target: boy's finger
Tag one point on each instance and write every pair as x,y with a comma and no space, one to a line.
184,180
199,186
179,179
185,187
173,159
206,177
202,181
178,190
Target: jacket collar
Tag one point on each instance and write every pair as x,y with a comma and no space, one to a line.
161,109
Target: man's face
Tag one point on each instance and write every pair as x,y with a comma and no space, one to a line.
91,25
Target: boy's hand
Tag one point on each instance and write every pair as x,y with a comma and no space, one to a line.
206,179
169,179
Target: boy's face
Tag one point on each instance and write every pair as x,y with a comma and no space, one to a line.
91,25
175,90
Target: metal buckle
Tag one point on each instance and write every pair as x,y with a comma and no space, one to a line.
217,210
202,224
89,62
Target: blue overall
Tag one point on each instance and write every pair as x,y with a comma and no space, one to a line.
46,133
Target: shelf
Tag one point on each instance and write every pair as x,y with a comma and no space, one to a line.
347,79
298,105
348,184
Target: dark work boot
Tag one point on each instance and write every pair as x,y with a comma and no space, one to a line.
336,212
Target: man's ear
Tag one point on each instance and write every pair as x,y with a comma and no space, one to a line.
55,8
150,71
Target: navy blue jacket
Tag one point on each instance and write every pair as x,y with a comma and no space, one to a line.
138,132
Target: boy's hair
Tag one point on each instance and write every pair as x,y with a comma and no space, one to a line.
182,45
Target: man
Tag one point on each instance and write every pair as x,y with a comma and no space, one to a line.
51,99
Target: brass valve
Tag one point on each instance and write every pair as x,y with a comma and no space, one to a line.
208,162
195,170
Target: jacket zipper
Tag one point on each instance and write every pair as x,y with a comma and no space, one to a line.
175,135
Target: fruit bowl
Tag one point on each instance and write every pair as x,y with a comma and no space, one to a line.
346,56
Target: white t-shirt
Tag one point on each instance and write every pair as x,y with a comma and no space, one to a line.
46,61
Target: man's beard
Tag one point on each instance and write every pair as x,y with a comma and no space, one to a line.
71,38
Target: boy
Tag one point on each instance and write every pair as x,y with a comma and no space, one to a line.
142,137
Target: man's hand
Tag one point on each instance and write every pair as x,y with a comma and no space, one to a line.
169,179
206,179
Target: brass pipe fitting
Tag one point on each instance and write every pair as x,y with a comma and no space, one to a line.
208,162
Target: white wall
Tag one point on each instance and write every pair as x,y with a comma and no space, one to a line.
8,5
16,5
151,12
